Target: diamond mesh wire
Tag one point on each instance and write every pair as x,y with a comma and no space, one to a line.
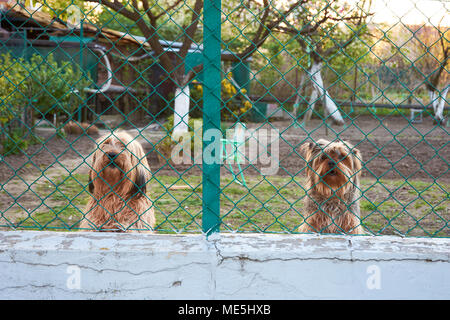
181,76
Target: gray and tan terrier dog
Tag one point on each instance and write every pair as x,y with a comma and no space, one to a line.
333,174
117,185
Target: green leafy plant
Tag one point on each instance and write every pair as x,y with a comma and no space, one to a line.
17,141
235,103
164,146
40,85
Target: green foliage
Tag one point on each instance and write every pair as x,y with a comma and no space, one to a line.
164,146
168,125
41,82
235,104
16,141
12,74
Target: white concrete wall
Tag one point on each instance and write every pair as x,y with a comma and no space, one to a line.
69,265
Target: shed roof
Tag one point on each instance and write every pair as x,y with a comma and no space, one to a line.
55,26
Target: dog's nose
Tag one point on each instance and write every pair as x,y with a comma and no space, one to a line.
112,155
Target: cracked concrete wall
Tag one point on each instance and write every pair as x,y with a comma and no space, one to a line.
53,265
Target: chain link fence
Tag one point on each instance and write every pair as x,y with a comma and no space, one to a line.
189,116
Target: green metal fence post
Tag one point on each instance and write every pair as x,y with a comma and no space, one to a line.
211,112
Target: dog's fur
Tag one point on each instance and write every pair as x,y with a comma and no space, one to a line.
333,172
117,184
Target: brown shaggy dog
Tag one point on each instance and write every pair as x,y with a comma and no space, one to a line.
117,183
75,127
332,196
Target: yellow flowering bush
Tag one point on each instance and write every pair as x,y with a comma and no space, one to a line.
235,104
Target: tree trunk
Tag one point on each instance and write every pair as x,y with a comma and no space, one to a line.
311,105
181,110
438,104
328,103
299,95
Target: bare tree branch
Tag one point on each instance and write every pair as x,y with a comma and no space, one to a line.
265,27
317,53
150,33
190,30
433,81
169,8
192,73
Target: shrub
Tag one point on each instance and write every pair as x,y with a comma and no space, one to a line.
17,141
40,85
235,103
43,84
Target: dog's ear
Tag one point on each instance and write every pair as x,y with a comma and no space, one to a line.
91,176
357,160
91,185
356,157
306,149
321,144
357,153
140,184
142,174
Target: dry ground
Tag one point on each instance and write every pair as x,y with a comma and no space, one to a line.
405,181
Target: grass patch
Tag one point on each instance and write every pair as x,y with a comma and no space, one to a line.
267,204
58,218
